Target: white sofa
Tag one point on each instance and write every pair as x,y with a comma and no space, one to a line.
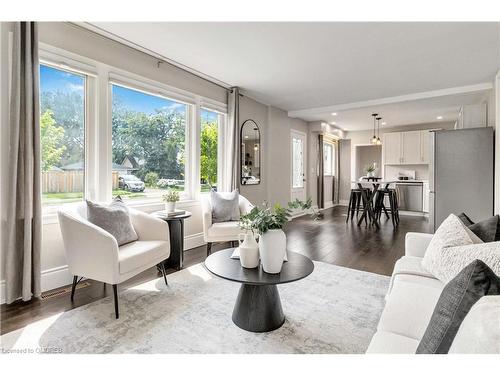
410,302
93,253
221,232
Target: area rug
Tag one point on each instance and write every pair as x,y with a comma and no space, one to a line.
334,310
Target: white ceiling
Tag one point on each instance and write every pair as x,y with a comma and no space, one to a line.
306,65
423,111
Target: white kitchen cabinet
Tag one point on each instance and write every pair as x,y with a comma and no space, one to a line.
425,197
411,148
425,140
392,148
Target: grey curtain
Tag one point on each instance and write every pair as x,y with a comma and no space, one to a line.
233,137
336,178
321,197
23,226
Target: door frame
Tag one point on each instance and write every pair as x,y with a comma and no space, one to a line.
304,158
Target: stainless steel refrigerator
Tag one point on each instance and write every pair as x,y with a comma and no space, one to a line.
461,174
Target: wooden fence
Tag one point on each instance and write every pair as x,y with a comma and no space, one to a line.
67,181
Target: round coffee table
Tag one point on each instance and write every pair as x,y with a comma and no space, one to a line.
258,305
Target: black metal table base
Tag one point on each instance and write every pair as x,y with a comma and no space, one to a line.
258,308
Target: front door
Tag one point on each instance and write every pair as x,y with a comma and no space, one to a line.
298,146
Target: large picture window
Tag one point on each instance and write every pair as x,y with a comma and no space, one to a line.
148,144
209,142
62,131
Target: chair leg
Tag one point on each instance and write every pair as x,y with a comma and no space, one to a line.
73,287
349,207
115,293
209,248
164,272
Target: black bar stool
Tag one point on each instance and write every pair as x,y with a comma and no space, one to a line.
393,205
355,203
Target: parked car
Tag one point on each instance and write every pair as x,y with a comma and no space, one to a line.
131,183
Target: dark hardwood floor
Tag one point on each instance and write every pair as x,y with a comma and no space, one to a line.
330,240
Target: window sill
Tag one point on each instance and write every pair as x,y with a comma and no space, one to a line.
51,218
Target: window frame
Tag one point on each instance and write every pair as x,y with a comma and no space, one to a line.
71,66
98,146
221,131
186,194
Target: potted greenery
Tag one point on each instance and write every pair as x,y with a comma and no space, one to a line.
269,223
307,206
170,198
370,169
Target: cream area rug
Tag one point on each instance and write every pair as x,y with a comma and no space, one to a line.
333,310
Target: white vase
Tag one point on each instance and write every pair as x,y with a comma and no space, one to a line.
370,174
249,250
272,248
170,206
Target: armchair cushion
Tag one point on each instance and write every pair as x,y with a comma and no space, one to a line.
225,207
228,228
135,254
114,219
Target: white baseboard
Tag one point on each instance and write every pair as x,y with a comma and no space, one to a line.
193,240
344,202
60,276
412,213
328,204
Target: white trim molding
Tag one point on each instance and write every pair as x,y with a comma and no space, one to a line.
394,99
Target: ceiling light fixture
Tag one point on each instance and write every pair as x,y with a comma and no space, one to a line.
378,141
384,123
333,123
374,138
334,113
439,117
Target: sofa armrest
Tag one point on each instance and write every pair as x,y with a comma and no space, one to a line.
416,243
148,227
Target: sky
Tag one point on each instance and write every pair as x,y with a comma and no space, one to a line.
52,79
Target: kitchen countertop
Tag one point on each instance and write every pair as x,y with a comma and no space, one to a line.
403,181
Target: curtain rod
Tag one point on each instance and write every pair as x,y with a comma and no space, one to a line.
161,59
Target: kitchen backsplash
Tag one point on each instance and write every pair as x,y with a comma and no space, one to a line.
421,171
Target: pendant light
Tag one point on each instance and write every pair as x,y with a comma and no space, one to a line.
378,141
374,138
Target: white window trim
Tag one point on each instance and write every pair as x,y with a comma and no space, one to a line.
98,152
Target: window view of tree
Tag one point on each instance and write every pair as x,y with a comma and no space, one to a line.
148,144
208,143
62,131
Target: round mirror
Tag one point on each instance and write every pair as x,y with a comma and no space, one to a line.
250,153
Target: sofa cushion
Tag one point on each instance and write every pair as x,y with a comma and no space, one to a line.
447,264
479,333
391,343
136,254
409,308
225,206
225,229
487,230
113,218
458,296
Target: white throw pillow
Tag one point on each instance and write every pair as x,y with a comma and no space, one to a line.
440,259
479,332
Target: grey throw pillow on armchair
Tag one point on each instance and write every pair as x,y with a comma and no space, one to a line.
114,218
225,206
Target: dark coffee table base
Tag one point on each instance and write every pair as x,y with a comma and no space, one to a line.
258,308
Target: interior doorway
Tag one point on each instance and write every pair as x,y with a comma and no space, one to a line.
365,156
298,183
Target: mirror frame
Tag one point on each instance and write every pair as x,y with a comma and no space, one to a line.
260,158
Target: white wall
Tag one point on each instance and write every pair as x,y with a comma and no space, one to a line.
497,146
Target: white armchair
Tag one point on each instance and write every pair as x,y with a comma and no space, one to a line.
221,232
93,253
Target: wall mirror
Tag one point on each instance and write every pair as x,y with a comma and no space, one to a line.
250,153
